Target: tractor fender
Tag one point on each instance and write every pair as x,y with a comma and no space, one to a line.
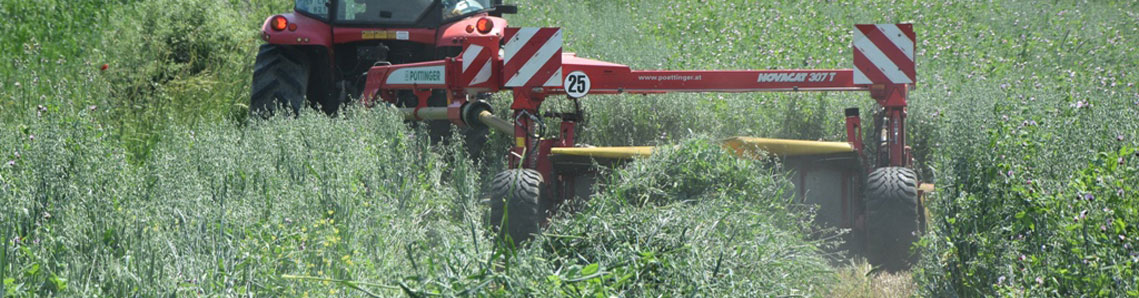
453,34
309,31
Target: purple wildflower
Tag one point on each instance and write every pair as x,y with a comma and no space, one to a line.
11,163
1089,197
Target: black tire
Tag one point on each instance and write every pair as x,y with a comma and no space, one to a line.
280,79
516,193
892,211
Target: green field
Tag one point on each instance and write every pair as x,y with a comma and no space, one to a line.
147,178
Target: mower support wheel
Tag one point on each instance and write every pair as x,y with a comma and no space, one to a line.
892,211
280,79
515,193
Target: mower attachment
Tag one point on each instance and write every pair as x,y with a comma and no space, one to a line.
741,146
871,195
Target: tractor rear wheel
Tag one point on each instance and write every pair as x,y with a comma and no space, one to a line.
514,202
280,79
892,211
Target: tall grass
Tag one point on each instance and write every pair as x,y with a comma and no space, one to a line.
167,62
223,210
218,210
1045,105
146,179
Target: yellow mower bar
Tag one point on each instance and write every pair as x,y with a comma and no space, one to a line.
605,152
784,147
742,146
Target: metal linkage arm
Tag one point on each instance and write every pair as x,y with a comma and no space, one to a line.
530,63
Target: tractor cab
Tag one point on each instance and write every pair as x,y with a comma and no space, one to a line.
392,13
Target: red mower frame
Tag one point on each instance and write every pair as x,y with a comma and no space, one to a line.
544,71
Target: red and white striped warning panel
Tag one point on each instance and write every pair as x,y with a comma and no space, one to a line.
884,54
532,57
476,64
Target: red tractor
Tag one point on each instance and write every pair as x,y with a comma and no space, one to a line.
322,50
438,60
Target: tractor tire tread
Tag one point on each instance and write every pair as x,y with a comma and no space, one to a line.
280,78
892,210
515,193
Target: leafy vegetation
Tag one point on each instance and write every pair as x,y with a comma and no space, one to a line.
145,178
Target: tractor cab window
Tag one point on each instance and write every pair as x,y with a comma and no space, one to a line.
457,8
316,8
381,12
